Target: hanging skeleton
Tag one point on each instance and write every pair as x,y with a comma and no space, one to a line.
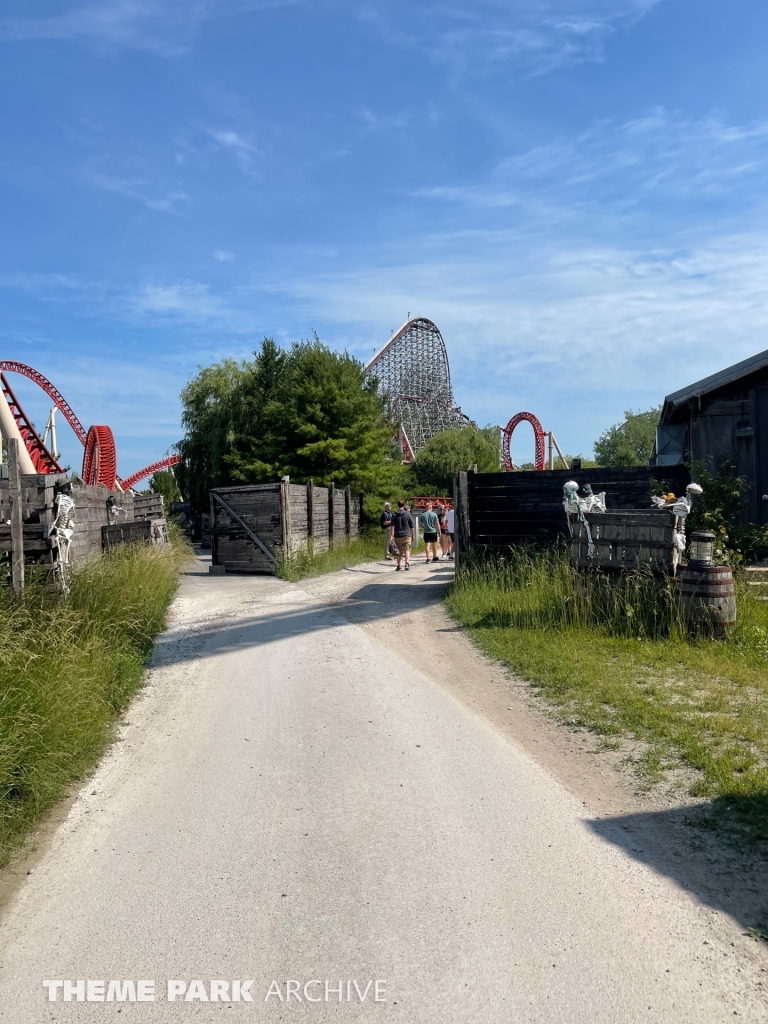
680,508
63,527
113,510
578,505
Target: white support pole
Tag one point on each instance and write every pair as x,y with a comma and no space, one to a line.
550,435
50,428
554,442
10,432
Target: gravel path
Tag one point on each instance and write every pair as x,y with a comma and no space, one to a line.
293,801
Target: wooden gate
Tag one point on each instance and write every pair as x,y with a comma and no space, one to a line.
253,527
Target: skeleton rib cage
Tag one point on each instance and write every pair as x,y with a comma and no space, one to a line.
415,382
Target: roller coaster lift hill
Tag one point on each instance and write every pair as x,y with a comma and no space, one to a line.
415,381
100,453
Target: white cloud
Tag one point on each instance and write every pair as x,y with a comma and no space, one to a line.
164,27
374,122
661,157
223,255
480,35
534,35
236,143
138,188
193,303
555,326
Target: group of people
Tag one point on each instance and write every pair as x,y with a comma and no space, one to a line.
400,532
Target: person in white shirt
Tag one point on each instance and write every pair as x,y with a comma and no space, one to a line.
449,521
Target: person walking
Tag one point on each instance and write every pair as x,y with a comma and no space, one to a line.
386,525
445,540
404,533
430,526
449,523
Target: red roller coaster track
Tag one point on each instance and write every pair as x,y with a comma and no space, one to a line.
100,455
539,436
131,481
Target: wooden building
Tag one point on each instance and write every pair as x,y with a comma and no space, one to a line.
724,416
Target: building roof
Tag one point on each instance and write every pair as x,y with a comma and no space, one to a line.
715,381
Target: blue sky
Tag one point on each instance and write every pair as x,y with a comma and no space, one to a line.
573,190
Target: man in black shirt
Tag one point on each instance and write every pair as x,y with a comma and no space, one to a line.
404,532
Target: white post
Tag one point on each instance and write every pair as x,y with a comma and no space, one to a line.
10,432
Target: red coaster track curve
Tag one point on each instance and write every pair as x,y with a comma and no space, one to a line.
100,455
539,436
131,481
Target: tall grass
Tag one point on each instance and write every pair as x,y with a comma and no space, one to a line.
69,663
617,660
534,589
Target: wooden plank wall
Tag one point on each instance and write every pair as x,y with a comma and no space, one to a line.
502,509
37,496
148,506
625,540
258,505
91,515
284,516
90,509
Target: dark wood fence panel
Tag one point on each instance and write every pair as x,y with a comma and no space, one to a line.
501,509
241,517
252,527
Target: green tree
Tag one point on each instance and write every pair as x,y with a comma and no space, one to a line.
451,451
165,483
629,443
208,402
307,413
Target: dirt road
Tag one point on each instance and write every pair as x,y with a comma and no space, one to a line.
310,796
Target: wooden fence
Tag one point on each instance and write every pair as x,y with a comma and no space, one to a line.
496,510
28,500
252,527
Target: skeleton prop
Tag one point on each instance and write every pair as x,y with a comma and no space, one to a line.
589,502
63,525
680,508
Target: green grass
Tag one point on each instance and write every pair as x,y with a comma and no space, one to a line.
617,661
368,548
69,664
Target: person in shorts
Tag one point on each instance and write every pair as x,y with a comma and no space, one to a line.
431,527
404,533
386,524
445,540
449,523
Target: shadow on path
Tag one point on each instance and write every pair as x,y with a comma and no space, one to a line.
371,602
676,843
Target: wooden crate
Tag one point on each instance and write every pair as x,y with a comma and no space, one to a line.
625,540
148,506
246,527
126,533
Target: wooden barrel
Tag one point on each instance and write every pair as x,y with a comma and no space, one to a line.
708,598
